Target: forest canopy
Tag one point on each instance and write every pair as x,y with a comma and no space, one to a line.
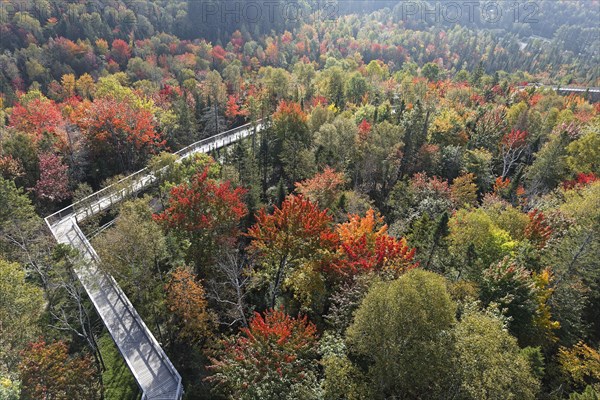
415,212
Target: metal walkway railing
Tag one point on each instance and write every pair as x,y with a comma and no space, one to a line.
106,197
155,374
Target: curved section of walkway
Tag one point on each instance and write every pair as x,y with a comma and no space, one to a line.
105,198
155,374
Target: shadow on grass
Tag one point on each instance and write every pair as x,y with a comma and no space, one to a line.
119,383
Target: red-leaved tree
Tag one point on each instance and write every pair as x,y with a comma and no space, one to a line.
205,212
53,184
582,179
274,358
364,128
120,133
120,52
218,53
39,117
538,231
388,255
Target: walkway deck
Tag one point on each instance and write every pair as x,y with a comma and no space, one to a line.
155,374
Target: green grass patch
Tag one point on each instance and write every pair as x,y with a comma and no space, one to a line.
119,383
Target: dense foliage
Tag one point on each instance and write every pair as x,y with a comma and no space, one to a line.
413,220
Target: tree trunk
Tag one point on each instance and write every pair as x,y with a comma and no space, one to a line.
278,278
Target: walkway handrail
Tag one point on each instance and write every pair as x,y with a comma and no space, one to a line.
125,300
60,214
128,182
190,148
591,89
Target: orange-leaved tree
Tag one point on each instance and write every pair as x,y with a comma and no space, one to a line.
48,372
234,109
185,298
323,188
366,246
120,52
580,363
297,233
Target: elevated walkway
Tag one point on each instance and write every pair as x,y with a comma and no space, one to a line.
155,374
